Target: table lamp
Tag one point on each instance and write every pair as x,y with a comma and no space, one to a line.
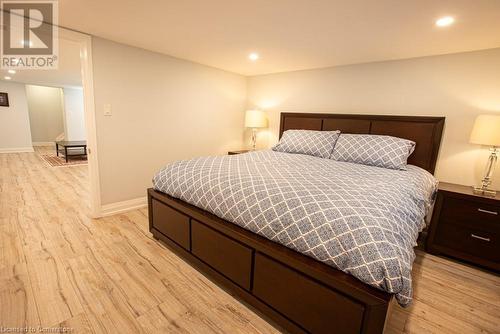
486,131
255,119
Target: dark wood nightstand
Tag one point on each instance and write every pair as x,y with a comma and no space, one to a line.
466,226
237,152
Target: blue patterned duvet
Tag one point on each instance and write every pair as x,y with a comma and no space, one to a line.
360,219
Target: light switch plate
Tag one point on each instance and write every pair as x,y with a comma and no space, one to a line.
107,109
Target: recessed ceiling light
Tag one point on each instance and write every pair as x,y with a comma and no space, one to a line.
445,21
253,56
12,71
7,78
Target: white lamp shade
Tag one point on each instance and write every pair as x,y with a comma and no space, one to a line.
255,119
486,130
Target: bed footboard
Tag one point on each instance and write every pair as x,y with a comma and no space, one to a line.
298,293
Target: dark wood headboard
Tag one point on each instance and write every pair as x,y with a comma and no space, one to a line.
425,131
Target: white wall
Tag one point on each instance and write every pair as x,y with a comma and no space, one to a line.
14,120
74,119
46,113
457,86
164,109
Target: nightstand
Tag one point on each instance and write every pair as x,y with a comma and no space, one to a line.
237,152
466,226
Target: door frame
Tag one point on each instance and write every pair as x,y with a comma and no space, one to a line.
85,42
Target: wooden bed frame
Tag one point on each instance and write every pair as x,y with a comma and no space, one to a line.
300,294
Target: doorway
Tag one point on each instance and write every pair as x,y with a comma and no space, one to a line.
65,99
85,48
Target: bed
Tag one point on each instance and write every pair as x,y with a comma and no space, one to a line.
287,275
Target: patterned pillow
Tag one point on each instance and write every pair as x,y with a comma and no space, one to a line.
374,150
315,143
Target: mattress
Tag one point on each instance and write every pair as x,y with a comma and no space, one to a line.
360,219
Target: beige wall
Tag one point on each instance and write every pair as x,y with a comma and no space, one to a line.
164,109
458,86
74,117
45,105
14,120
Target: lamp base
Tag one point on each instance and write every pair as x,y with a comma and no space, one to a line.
484,191
254,138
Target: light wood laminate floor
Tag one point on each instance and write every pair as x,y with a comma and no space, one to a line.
59,268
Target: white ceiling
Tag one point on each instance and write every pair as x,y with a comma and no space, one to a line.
68,73
288,34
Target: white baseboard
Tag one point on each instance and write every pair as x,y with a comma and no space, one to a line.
16,150
44,143
124,206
